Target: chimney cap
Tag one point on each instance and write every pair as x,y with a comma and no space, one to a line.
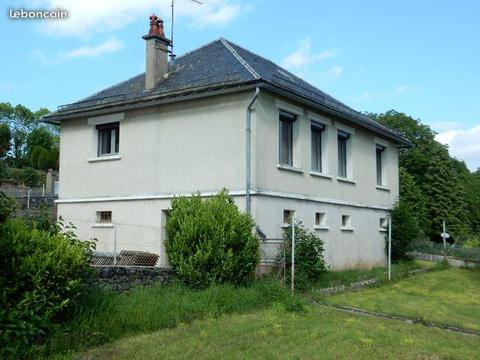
156,29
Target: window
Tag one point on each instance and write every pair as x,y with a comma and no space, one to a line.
317,130
108,138
104,217
286,138
320,219
288,216
346,221
342,139
383,224
379,150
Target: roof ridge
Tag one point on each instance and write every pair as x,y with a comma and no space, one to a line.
240,59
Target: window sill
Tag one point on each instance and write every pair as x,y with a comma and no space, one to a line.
383,230
290,168
105,158
384,188
321,227
285,226
99,225
345,180
344,228
322,175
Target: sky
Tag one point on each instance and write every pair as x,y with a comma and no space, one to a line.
418,57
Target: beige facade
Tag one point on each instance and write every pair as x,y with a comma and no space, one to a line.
199,145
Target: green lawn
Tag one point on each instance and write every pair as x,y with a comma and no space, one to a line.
278,334
450,296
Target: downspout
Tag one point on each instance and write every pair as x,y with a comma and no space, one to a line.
248,152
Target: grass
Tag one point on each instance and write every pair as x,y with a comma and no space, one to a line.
449,296
277,334
107,316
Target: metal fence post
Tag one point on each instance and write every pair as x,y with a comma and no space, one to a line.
114,244
28,198
293,255
389,247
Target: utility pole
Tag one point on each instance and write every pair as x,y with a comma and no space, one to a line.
444,238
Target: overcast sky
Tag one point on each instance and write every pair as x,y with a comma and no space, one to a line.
418,57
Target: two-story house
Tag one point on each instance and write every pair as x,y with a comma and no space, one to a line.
222,116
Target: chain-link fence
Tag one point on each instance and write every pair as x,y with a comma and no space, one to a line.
120,244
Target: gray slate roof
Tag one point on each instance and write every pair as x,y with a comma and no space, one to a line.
219,64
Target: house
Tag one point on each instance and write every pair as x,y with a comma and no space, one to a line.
221,116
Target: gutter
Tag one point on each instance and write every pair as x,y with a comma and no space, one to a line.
248,152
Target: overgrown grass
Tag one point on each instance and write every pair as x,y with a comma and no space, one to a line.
450,296
107,316
276,334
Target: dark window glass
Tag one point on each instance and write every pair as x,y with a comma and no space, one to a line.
286,138
317,130
108,138
342,138
379,154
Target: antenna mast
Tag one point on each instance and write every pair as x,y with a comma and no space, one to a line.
172,55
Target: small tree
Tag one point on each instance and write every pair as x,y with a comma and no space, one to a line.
405,229
211,242
309,260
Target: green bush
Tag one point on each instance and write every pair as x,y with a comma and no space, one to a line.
30,177
405,230
7,207
211,242
42,277
309,260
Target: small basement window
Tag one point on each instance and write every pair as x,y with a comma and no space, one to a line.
288,216
104,217
320,219
108,139
383,224
346,221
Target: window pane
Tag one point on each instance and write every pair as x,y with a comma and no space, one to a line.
117,139
104,141
342,156
286,141
379,152
316,149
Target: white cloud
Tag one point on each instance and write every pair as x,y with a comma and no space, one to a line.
443,126
304,56
109,46
369,95
402,88
464,144
333,73
106,47
87,17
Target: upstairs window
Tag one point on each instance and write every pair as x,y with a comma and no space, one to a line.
379,151
108,139
288,216
317,132
342,140
286,138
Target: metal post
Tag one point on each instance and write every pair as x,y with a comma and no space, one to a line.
43,190
293,254
389,248
114,244
444,234
28,198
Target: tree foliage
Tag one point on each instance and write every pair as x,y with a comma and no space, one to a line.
435,186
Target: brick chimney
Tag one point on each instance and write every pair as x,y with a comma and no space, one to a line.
157,51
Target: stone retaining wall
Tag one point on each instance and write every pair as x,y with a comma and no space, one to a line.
122,278
452,261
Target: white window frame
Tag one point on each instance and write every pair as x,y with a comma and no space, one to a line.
384,163
321,221
346,223
349,178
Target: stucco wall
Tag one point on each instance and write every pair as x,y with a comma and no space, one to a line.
177,148
268,176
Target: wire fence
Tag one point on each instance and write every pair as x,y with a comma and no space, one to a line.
120,244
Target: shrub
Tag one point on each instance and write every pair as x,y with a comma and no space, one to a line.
7,207
211,242
42,277
30,177
309,260
405,230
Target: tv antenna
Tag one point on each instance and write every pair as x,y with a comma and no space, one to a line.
172,55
